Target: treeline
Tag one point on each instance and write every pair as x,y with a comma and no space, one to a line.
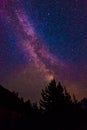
56,110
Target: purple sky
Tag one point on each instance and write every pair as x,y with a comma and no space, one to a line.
40,41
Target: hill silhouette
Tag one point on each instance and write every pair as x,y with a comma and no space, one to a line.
56,110
9,99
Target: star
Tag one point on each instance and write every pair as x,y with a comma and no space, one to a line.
48,14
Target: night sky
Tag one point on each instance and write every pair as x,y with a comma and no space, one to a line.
42,40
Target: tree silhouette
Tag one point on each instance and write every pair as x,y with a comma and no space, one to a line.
57,110
56,103
54,96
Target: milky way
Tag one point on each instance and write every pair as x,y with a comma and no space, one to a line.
30,42
33,62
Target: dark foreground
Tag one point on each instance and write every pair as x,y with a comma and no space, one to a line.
56,111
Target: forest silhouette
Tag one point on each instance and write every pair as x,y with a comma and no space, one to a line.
57,110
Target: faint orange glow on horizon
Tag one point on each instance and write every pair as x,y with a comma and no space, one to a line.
50,78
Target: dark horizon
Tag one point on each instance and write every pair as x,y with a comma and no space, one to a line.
56,110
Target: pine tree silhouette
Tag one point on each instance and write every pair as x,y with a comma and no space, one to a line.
54,96
56,103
